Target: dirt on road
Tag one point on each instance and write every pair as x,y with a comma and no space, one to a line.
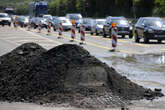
66,74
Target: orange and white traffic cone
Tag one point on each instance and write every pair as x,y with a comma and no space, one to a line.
54,28
39,27
60,29
16,22
82,34
29,25
114,37
49,28
73,32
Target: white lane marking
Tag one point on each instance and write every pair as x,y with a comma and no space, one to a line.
47,39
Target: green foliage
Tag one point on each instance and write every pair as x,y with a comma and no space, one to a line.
96,8
159,8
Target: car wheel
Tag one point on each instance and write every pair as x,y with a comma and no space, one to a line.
91,33
110,35
104,34
9,24
123,36
137,39
97,33
54,29
159,41
146,40
130,36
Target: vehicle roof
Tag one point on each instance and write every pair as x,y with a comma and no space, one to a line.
114,17
63,18
47,15
3,13
150,18
73,14
100,19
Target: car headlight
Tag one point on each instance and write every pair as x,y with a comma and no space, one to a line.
130,28
150,31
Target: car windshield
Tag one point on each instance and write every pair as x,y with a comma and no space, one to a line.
63,21
154,22
3,16
86,21
25,18
120,21
100,22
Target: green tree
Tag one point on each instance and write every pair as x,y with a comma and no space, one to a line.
159,9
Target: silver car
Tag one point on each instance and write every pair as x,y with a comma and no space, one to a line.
97,26
66,24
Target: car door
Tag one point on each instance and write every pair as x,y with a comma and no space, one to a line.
140,27
107,25
94,26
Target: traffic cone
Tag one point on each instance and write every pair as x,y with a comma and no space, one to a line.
16,22
54,27
73,32
60,30
82,34
29,26
114,37
49,28
39,27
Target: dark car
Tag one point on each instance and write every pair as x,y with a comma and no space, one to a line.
123,26
148,28
87,22
55,22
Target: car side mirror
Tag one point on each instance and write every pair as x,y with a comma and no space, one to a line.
143,24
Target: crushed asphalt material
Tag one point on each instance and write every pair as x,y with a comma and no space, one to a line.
66,74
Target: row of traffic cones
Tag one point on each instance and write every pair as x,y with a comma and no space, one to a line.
82,33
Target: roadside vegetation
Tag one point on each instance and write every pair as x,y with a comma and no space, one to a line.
96,8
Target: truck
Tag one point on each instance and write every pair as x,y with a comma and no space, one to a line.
9,11
38,9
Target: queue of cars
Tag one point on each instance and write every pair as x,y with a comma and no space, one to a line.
146,28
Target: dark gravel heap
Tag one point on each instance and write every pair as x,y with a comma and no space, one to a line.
64,74
14,61
11,62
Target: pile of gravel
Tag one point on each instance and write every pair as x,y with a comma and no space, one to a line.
64,74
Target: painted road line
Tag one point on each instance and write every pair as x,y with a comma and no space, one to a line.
47,39
121,41
162,49
89,43
96,45
142,45
10,41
